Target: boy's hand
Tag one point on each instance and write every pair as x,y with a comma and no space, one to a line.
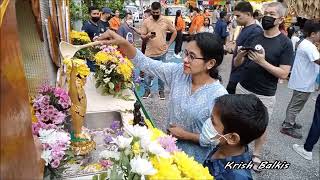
177,132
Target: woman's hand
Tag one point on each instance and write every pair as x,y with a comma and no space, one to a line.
112,38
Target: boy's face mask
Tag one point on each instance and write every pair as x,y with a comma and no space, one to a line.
209,135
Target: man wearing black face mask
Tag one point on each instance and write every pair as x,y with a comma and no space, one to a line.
263,67
154,31
94,26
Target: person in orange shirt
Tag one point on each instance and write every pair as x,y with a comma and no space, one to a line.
115,22
197,22
180,27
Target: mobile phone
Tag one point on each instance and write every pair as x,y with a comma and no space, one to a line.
153,33
248,49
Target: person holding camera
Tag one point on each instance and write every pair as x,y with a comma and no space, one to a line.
266,59
154,29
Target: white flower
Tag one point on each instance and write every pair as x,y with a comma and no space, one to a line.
157,149
122,142
106,154
142,166
141,132
107,71
106,80
103,67
112,67
53,136
46,156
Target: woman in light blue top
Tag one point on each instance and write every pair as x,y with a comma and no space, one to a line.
194,86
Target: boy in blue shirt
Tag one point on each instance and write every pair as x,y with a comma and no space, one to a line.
236,121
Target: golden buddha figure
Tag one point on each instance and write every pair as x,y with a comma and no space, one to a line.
82,144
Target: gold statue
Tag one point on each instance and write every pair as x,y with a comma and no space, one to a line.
83,143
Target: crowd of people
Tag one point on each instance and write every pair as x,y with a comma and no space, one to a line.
212,123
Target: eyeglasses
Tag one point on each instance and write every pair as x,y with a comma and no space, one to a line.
191,57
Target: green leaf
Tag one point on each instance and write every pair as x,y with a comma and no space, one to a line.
103,176
95,177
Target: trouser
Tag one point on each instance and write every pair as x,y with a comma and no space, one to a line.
268,101
178,45
148,77
297,102
314,132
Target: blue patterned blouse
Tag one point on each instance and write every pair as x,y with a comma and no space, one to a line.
187,110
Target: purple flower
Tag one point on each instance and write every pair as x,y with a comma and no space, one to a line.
115,125
119,133
168,143
35,129
45,89
108,139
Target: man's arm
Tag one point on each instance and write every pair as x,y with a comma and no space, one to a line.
280,72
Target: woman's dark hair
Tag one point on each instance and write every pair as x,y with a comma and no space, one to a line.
178,13
211,47
243,114
196,9
207,18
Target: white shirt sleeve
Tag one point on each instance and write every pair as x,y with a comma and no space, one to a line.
313,53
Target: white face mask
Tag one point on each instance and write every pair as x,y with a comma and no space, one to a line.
208,136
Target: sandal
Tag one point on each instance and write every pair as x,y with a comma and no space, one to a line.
256,162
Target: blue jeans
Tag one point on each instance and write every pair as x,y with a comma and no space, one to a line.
148,77
314,132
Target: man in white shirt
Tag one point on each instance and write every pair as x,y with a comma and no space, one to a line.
303,77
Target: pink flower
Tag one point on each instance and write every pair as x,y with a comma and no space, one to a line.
55,163
106,163
168,143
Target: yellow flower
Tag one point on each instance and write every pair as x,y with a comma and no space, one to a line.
82,67
125,70
148,123
189,167
165,169
102,57
80,36
136,148
156,133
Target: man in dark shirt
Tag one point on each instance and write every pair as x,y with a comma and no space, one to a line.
261,69
243,11
221,28
105,17
93,27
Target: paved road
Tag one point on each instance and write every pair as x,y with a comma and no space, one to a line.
278,147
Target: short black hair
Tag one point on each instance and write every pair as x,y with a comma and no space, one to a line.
211,47
223,14
244,7
311,26
155,6
243,114
91,8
